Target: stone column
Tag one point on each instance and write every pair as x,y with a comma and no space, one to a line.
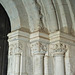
39,46
46,64
16,56
38,64
58,52
39,49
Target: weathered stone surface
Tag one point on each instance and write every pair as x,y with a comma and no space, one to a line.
38,21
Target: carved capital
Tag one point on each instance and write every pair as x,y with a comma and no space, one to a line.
58,48
11,49
15,48
39,47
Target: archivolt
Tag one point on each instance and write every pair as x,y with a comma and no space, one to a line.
41,15
36,14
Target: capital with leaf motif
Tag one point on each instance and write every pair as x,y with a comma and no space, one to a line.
39,48
58,49
15,48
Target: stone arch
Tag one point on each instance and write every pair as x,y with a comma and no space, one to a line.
23,15
12,13
45,9
63,16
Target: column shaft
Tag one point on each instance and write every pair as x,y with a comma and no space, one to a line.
58,65
46,65
17,64
38,64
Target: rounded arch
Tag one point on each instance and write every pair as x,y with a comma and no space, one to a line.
23,15
12,13
63,14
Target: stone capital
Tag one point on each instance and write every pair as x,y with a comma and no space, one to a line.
39,42
17,40
58,49
18,35
15,48
39,48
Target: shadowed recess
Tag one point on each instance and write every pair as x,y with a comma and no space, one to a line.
4,30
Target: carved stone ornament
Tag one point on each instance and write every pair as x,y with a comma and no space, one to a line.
39,48
15,48
58,48
11,48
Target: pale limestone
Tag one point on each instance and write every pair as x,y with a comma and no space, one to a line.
29,50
